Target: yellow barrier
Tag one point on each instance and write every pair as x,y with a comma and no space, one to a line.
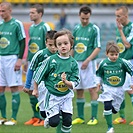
71,1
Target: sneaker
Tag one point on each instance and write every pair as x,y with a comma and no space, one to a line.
131,123
119,121
10,122
92,121
110,130
2,120
46,123
31,121
78,121
39,123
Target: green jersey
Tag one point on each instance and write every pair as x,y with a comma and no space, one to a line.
11,33
87,38
37,35
114,73
40,56
128,32
50,72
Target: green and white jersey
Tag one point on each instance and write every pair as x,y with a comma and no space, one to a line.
86,40
114,73
50,72
37,35
40,56
128,32
11,33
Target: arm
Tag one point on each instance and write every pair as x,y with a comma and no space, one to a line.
28,81
35,91
123,37
91,57
20,56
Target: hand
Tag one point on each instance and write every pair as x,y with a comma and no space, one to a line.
119,25
26,90
63,77
35,93
18,65
84,64
98,87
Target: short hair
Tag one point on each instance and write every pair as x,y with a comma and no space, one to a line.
112,47
123,8
8,4
85,9
39,8
64,32
50,34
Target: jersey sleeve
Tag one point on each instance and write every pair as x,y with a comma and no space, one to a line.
41,71
75,74
35,60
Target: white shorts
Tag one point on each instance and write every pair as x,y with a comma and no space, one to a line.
9,77
116,94
42,91
88,75
127,83
53,104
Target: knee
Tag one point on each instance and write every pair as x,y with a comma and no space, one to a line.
43,114
108,105
67,120
113,110
54,121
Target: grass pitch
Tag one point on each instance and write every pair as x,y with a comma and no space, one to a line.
25,113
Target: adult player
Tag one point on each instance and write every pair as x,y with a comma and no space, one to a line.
124,38
86,48
12,45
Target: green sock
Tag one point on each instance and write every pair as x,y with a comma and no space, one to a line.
94,108
122,112
33,102
131,95
108,117
15,104
3,105
80,107
58,128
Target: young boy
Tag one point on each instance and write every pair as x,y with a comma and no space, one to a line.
60,74
37,58
112,72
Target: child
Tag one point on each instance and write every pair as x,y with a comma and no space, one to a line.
60,74
112,72
37,58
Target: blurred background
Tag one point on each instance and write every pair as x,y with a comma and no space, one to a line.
64,14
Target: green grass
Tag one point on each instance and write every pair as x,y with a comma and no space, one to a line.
25,113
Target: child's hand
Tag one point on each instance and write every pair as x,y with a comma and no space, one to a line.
26,90
35,93
98,87
131,86
63,77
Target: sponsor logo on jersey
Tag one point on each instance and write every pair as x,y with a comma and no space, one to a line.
33,48
80,48
4,42
114,80
121,47
60,86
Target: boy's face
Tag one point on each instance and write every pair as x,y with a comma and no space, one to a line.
51,46
113,56
63,45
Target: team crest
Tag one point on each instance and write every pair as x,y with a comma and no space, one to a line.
60,86
80,48
4,42
114,80
121,47
33,48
